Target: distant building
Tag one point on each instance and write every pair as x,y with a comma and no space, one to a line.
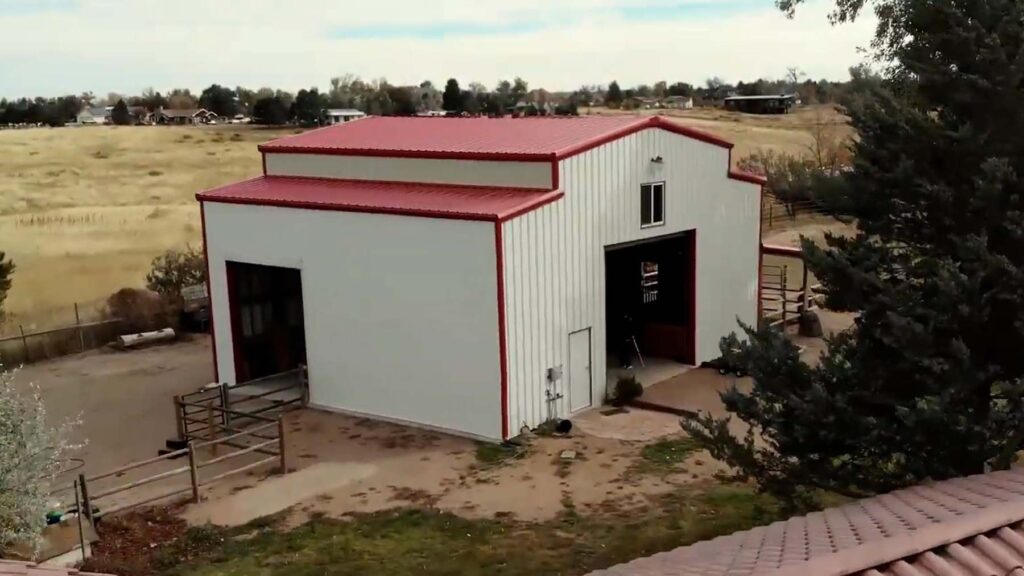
184,116
643,102
94,115
340,115
764,104
678,102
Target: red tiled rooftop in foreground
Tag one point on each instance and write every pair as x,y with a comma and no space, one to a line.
431,200
961,527
537,138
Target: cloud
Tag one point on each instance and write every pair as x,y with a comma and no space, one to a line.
65,46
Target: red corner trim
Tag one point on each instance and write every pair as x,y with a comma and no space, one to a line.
499,252
209,292
264,158
555,175
760,257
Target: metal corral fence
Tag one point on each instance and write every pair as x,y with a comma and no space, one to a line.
776,214
782,299
25,347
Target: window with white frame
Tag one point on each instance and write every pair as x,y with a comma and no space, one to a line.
652,204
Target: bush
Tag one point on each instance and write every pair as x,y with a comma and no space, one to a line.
141,310
176,269
627,389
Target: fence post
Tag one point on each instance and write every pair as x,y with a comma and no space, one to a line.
210,434
280,443
225,403
193,472
179,416
783,281
81,532
24,342
805,303
85,499
78,326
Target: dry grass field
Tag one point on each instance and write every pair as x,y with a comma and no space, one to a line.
83,211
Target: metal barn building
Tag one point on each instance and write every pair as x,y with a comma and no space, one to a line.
479,275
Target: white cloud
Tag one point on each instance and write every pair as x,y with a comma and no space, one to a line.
108,45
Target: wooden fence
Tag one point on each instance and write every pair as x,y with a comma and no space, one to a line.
782,300
776,214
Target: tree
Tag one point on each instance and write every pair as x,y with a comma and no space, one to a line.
308,106
120,114
181,99
613,97
6,273
470,104
402,100
680,89
451,99
220,100
929,384
270,111
175,270
32,454
152,100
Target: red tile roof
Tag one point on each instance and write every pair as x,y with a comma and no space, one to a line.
962,527
18,568
536,138
412,199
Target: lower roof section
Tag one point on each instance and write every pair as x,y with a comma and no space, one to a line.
409,199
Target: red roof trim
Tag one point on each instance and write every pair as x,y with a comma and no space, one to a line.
776,250
536,200
748,177
640,124
499,256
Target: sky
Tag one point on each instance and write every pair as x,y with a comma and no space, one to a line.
54,47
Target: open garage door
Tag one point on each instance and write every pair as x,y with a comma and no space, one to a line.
651,298
267,327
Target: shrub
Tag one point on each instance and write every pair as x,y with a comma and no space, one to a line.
176,269
627,389
141,310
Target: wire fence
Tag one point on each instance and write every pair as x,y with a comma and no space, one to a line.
33,345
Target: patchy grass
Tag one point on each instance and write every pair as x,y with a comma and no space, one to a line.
666,455
489,454
409,541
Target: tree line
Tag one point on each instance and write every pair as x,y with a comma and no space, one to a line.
379,97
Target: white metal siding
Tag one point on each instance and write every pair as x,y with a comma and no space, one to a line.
400,313
435,171
554,256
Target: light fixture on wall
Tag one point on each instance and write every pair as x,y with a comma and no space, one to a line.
658,160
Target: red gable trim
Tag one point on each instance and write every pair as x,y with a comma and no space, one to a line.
575,149
748,177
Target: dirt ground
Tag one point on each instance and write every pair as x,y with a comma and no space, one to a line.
124,399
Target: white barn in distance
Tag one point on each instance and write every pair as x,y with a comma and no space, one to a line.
479,275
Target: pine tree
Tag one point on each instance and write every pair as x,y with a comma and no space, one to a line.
451,99
6,271
929,383
613,97
120,114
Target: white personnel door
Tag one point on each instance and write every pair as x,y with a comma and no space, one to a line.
580,389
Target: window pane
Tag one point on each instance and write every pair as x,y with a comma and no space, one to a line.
658,194
645,204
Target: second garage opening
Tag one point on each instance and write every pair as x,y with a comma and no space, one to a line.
650,303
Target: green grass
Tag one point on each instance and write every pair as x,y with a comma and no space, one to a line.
414,541
666,455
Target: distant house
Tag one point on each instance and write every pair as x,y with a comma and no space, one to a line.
764,104
678,102
341,115
643,102
184,116
94,115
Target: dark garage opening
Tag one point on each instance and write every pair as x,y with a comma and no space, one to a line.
266,319
650,296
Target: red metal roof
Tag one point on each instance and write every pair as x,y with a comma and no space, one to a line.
411,199
960,527
529,139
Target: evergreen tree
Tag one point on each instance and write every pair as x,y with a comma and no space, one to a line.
6,271
451,99
929,383
120,114
613,97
